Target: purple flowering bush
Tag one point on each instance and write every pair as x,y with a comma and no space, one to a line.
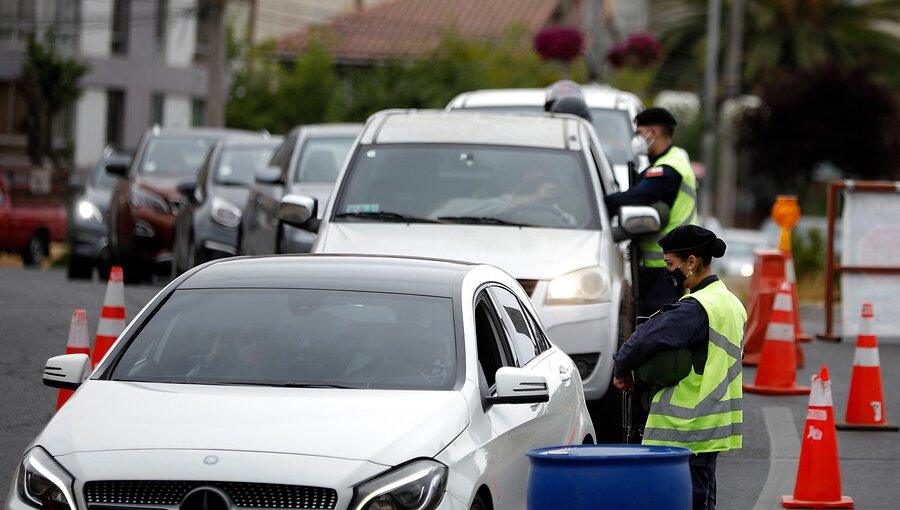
637,50
559,43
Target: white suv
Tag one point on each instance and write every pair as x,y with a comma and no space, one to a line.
613,112
522,192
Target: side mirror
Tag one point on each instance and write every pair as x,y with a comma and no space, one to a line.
187,188
638,145
268,175
636,220
117,168
519,386
67,371
299,211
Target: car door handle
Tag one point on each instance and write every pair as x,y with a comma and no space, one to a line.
565,373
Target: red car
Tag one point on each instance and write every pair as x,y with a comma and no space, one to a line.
29,229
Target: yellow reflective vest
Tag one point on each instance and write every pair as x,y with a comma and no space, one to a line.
703,412
684,209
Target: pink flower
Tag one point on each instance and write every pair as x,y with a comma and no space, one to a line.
638,50
559,43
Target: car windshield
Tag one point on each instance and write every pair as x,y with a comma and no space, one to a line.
613,128
171,156
295,338
238,164
471,184
321,158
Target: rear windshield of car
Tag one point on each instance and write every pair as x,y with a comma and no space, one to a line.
321,159
296,338
237,165
471,184
613,127
173,157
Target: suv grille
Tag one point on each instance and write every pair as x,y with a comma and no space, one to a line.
130,494
528,285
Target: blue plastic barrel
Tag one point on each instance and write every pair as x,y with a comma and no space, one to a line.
619,476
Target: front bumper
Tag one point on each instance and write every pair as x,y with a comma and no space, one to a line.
87,240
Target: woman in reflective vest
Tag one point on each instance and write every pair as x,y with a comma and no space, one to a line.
702,411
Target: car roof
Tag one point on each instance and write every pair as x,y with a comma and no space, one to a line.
595,95
327,129
253,141
367,273
201,131
551,131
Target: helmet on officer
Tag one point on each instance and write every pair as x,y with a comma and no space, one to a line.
560,89
574,105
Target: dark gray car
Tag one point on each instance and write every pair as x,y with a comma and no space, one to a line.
307,163
207,227
87,227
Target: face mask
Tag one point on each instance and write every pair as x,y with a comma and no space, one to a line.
676,278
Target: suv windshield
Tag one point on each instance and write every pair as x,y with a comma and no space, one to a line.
322,158
175,156
613,127
295,338
238,164
490,185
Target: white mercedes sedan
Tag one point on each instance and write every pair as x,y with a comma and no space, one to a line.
311,382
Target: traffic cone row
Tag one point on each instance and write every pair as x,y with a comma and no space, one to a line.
772,267
78,343
777,371
111,325
818,482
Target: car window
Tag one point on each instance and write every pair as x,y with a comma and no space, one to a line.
100,178
285,337
237,165
493,352
470,184
321,159
515,323
175,156
282,155
614,129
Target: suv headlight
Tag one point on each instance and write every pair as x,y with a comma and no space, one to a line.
225,213
585,286
43,483
418,485
88,212
143,198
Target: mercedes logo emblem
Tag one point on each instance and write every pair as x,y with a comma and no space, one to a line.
210,460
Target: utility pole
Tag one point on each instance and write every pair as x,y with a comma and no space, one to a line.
709,104
726,180
215,99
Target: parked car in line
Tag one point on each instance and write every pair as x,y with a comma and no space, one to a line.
343,382
87,229
306,163
740,244
612,112
521,192
145,200
27,229
207,226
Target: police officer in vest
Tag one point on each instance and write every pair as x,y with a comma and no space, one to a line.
669,180
699,340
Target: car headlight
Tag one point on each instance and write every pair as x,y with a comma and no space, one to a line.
590,285
143,198
43,483
88,212
747,270
418,485
225,213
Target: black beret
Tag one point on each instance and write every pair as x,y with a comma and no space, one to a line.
692,239
655,117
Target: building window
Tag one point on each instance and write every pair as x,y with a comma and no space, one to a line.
17,22
115,117
198,112
162,20
68,18
120,23
157,102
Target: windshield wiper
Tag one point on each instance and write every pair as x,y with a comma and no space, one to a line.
482,220
288,384
237,184
386,216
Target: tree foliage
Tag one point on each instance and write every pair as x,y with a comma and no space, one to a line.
50,83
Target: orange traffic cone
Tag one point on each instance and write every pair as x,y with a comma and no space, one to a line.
112,318
78,343
771,269
819,474
865,406
791,276
777,370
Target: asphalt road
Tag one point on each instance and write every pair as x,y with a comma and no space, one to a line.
36,307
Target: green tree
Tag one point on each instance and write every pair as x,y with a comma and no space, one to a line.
50,83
